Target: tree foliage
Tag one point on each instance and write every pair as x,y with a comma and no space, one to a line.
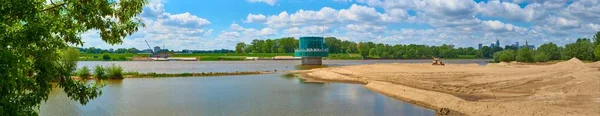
504,56
33,31
541,57
582,49
239,47
551,50
597,52
525,55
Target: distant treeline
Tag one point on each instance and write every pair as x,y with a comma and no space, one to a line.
93,50
365,49
583,49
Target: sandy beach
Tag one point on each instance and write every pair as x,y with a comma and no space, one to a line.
569,88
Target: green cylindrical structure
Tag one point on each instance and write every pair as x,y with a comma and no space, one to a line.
311,49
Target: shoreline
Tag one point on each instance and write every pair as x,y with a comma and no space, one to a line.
167,75
564,88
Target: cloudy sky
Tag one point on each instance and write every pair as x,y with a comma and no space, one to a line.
217,24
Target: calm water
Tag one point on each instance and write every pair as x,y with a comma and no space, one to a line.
270,94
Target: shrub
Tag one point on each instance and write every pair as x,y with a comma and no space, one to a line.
99,72
114,72
597,52
525,55
84,72
541,57
507,56
105,57
504,56
583,49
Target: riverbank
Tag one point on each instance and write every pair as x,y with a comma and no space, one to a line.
232,57
565,88
201,74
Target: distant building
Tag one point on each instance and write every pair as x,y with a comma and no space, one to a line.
111,50
492,45
479,47
527,45
156,49
517,45
497,43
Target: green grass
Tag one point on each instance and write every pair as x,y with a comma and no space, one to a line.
133,74
343,56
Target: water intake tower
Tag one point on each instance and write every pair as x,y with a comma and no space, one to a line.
311,49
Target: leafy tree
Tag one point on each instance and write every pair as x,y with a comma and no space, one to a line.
485,52
504,56
525,55
33,31
106,57
597,38
239,47
333,44
99,72
541,57
597,52
582,49
84,72
364,48
551,50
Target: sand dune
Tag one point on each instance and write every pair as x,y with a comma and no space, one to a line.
565,88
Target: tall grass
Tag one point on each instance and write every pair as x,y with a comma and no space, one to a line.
84,72
114,72
99,72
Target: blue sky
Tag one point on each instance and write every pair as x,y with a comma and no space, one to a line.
217,24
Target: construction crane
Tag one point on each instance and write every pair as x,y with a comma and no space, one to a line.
153,53
149,47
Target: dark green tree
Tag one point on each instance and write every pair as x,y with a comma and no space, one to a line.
597,52
106,57
541,57
504,56
551,50
597,38
239,47
33,31
582,49
525,55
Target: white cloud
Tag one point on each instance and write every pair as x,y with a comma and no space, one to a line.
185,19
270,2
259,18
364,28
508,10
500,27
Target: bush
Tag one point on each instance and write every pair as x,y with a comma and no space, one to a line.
504,56
84,72
541,57
507,56
105,57
525,55
99,72
583,49
597,52
114,72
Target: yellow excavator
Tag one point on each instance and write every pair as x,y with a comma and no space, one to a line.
438,61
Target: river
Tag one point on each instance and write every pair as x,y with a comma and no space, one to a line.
269,94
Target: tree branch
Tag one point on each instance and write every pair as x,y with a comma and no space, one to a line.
55,6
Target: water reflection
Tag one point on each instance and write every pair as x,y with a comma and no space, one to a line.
230,95
270,94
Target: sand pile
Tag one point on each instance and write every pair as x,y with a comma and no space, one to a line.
572,64
566,88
